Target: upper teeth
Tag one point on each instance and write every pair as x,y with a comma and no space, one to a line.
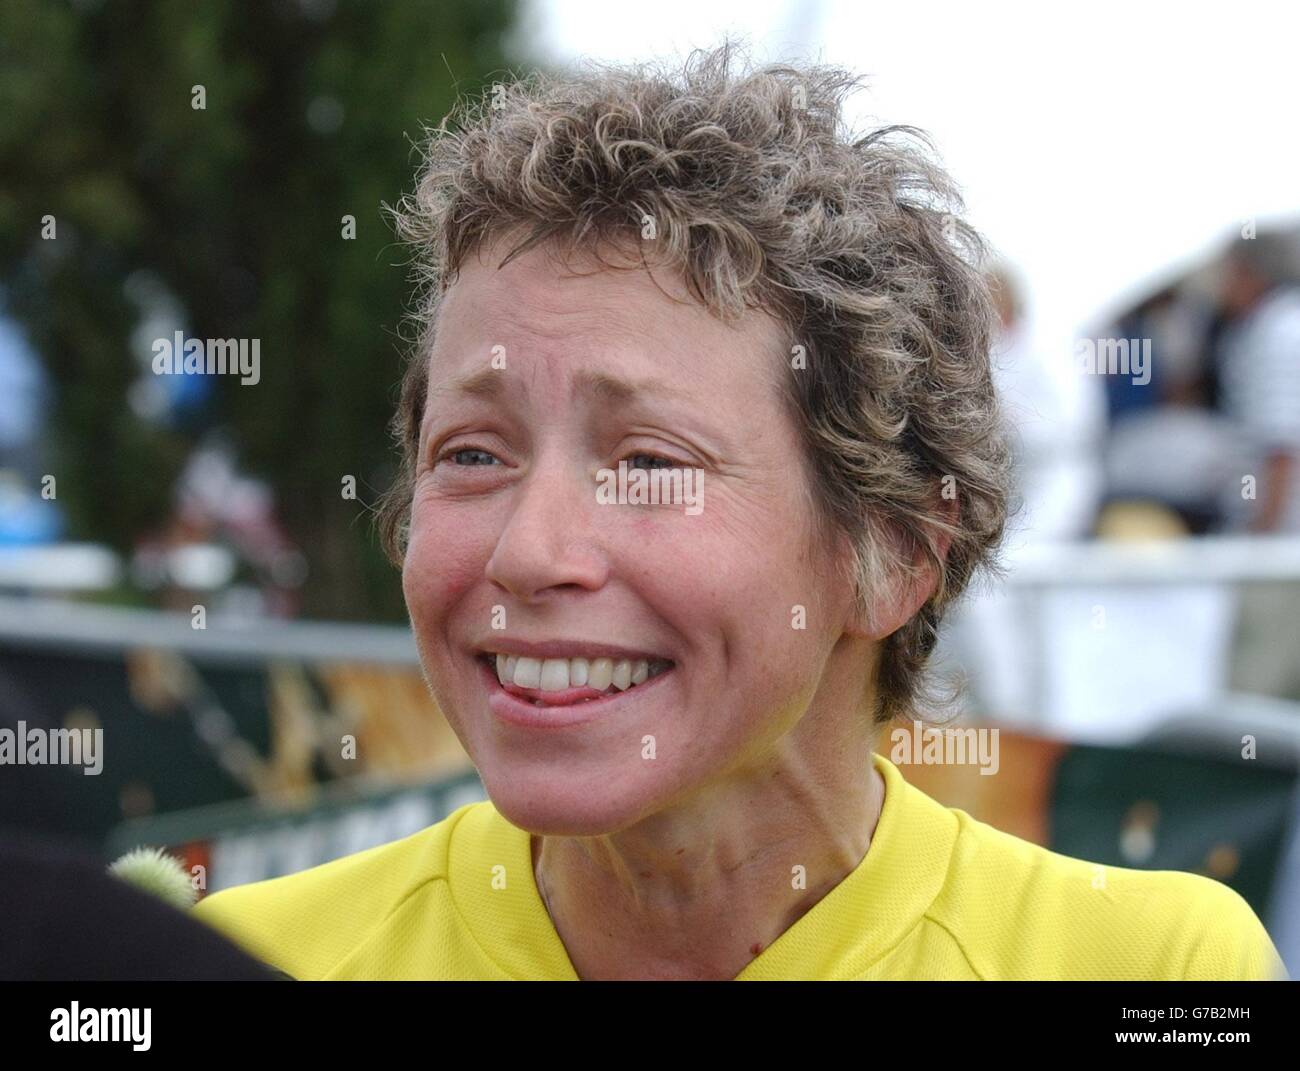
557,674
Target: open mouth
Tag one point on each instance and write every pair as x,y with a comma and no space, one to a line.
555,682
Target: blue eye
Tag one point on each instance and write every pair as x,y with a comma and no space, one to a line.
472,457
457,454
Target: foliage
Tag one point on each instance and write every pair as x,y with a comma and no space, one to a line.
312,113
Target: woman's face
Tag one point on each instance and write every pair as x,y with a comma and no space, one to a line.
539,380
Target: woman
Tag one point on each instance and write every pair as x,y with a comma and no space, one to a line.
697,285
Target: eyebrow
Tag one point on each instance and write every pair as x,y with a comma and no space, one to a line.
489,383
485,383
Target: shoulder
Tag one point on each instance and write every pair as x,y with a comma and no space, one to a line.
1271,333
306,923
1281,310
1019,910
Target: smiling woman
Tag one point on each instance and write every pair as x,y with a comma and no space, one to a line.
674,713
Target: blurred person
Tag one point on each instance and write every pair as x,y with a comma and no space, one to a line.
1258,363
230,519
1173,450
675,713
1175,457
1056,418
1259,374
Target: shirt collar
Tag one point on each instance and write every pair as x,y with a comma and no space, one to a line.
860,920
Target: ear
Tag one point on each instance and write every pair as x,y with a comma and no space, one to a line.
904,595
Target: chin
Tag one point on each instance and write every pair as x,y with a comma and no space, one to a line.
554,802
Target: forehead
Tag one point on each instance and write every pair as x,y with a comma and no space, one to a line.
594,324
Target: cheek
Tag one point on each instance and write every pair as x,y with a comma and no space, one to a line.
442,563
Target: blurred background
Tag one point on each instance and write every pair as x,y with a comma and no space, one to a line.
177,171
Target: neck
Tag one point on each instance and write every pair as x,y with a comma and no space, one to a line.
698,891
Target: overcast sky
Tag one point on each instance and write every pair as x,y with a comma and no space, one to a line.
1098,148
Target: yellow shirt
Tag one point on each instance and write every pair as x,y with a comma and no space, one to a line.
938,895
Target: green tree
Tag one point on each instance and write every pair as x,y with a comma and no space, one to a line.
312,111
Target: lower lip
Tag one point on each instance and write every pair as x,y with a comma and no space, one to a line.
511,708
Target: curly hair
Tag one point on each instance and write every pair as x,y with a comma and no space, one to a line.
761,198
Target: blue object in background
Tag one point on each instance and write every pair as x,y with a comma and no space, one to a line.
26,519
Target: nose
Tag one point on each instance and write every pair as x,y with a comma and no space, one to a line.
548,543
